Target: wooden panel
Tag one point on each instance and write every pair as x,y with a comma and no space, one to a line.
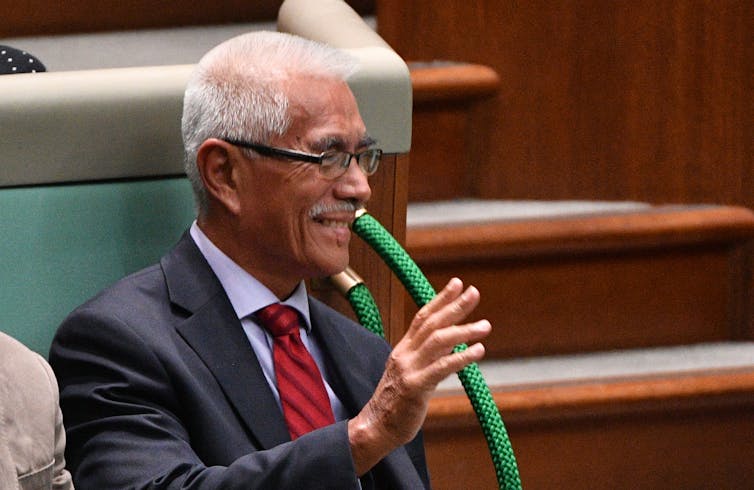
563,305
677,432
447,81
437,172
638,100
592,283
447,135
27,18
651,227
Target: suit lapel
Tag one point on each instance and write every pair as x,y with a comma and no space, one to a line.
215,334
354,385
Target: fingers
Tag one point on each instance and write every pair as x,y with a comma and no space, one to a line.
458,360
452,290
441,341
422,359
451,305
439,361
437,329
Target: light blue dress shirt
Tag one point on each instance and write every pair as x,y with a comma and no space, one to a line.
248,295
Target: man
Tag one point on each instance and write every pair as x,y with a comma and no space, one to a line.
172,378
32,439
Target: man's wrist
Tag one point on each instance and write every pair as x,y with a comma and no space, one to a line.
367,447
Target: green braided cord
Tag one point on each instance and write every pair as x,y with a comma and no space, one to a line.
417,285
365,308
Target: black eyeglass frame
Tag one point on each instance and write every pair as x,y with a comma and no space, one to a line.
271,151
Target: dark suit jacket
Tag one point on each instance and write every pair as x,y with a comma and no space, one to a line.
161,389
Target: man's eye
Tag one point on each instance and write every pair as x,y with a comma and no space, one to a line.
332,158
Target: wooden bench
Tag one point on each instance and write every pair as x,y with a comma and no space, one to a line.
566,277
671,417
622,354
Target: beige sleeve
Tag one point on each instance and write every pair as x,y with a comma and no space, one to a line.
61,478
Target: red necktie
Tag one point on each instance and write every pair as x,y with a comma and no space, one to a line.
302,392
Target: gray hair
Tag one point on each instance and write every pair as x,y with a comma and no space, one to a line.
237,91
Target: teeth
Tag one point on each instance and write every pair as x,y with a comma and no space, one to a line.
334,224
342,206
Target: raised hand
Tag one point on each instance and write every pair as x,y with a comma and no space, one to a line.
422,359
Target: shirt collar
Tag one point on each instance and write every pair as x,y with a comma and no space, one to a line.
246,294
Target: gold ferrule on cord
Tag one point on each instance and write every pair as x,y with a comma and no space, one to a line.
346,280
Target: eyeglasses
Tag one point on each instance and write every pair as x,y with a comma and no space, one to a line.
332,164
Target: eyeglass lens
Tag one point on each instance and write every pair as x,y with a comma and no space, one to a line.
337,163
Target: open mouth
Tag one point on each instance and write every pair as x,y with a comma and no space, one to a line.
331,223
338,215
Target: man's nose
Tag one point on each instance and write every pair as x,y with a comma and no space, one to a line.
354,184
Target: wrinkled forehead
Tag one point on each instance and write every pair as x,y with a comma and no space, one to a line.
324,109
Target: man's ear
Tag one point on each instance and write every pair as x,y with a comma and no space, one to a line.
216,167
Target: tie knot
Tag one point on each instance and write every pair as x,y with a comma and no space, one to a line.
278,319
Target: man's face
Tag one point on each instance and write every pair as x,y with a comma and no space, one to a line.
294,223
